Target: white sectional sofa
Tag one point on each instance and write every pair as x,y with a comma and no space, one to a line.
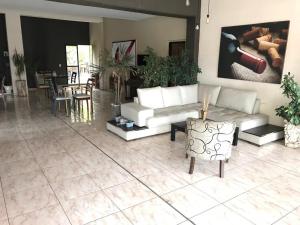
156,108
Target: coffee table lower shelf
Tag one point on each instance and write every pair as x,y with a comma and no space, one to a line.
136,132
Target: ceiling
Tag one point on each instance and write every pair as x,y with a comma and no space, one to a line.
43,6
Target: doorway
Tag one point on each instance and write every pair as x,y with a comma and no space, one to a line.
79,57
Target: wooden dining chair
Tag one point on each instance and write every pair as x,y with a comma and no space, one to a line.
86,94
41,83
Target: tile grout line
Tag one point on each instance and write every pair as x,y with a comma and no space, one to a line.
4,200
49,184
188,219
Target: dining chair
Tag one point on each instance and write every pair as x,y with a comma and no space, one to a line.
41,83
2,91
209,140
86,94
56,99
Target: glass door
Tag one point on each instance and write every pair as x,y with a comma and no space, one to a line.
78,60
72,63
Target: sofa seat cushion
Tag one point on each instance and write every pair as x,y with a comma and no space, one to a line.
239,100
243,120
170,115
150,97
189,94
171,96
210,92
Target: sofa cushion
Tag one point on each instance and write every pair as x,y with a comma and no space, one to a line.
256,107
209,91
239,100
171,96
150,97
243,120
189,94
170,115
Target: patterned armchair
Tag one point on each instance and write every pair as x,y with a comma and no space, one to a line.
209,140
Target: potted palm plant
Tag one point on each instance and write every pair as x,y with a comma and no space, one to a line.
120,69
19,63
291,112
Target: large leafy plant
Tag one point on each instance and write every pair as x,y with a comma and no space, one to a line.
168,71
291,89
19,62
155,71
182,70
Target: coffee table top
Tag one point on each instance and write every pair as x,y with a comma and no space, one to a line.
179,124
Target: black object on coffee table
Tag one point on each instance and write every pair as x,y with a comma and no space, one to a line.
181,126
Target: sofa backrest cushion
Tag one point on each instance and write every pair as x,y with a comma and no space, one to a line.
210,92
189,94
151,97
236,99
171,96
256,107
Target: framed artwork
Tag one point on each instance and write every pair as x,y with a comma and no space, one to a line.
122,48
253,52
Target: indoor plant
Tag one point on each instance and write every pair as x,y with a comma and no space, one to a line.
120,69
168,71
291,112
19,63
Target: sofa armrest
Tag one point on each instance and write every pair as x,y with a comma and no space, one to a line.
137,113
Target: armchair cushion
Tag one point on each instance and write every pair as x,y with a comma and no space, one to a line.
137,113
209,140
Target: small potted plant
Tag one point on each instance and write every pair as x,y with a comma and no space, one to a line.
19,63
291,112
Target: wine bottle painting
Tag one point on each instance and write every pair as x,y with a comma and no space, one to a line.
122,48
253,52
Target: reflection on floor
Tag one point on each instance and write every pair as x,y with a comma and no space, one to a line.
70,170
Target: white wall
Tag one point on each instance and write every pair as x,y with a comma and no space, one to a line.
15,42
97,41
155,32
237,12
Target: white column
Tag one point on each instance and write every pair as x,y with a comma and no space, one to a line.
15,42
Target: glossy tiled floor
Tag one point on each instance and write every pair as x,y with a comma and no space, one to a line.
70,170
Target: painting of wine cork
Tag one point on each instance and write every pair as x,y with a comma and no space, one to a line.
254,52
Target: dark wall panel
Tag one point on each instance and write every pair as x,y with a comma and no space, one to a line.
45,40
4,58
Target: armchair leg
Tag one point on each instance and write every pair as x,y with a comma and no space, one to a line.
222,168
192,165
